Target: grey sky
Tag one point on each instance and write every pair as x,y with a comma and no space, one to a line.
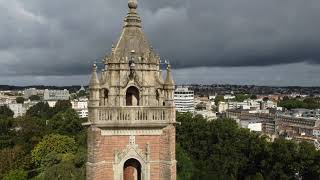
48,39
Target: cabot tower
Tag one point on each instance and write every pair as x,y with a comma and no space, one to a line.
131,126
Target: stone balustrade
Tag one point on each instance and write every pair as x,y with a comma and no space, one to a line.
135,115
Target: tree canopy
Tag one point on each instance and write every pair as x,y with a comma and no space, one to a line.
218,99
53,143
308,103
20,100
34,98
5,112
221,150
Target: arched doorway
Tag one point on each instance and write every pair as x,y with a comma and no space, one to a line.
132,170
132,96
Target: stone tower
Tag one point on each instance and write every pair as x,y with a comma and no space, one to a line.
131,128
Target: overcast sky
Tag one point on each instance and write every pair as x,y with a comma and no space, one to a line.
263,42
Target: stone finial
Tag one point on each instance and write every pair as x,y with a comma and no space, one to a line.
102,78
133,4
94,82
132,19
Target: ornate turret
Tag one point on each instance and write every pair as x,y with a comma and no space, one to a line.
94,82
169,87
94,88
169,80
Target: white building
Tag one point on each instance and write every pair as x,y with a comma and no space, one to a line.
207,114
31,92
254,105
184,100
252,125
56,95
18,109
228,97
222,106
83,113
52,103
316,132
81,107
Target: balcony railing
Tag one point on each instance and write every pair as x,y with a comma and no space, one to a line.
135,115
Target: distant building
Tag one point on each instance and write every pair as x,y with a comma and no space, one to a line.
296,126
316,132
253,105
280,124
52,103
212,98
31,92
228,97
209,115
222,106
252,124
184,100
83,113
307,113
56,95
18,109
81,107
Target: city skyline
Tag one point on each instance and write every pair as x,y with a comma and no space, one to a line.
261,43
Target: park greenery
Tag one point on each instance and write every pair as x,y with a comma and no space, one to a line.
221,150
20,100
298,102
50,143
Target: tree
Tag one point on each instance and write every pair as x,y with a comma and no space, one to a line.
53,143
34,98
241,97
62,105
62,171
82,93
67,122
200,106
221,150
20,100
285,98
253,97
31,131
40,110
14,158
5,112
17,174
185,166
265,99
6,133
218,99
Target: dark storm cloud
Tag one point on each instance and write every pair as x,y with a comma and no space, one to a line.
44,37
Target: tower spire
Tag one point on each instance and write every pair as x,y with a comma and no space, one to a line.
169,79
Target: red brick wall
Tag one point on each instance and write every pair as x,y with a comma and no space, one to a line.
162,150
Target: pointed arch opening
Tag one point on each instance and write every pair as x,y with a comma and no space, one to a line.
132,96
157,97
132,170
105,96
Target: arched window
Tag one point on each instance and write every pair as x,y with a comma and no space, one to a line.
157,97
105,96
132,96
132,170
